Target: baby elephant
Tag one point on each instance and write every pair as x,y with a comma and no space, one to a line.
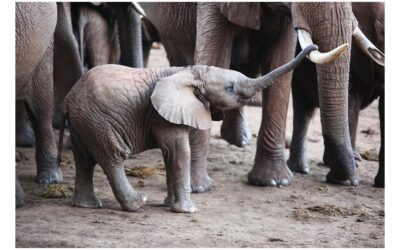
115,111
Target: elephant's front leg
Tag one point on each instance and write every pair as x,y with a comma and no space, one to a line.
174,143
269,167
214,40
199,143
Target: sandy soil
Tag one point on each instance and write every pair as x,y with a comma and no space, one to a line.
308,213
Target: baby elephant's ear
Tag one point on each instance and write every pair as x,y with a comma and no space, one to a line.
175,100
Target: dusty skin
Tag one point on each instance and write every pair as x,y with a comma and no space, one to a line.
308,213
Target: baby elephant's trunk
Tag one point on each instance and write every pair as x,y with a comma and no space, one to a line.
268,79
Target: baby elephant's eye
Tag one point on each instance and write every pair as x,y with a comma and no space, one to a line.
230,88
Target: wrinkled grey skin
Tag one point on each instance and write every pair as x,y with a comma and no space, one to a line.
366,83
34,27
226,35
115,112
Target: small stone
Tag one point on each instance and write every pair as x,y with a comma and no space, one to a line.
140,184
20,156
370,131
370,155
275,240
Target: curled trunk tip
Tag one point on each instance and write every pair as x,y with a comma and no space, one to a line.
316,56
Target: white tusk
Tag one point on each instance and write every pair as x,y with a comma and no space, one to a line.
316,56
368,48
139,9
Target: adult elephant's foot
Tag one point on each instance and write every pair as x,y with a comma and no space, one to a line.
269,172
234,128
25,137
357,156
200,182
185,206
89,201
353,181
297,165
48,175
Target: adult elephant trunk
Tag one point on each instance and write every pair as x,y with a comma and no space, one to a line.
331,26
130,35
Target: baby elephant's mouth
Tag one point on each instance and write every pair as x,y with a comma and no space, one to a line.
247,100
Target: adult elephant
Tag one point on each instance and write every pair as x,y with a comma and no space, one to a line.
366,84
258,37
92,34
34,28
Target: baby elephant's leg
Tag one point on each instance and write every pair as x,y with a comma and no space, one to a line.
178,168
129,199
176,152
170,199
84,167
199,143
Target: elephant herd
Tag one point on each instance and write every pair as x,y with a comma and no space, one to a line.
114,111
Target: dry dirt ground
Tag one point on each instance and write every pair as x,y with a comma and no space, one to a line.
308,213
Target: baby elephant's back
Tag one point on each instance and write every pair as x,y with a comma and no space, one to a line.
110,87
106,104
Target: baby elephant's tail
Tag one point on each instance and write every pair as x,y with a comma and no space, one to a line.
61,135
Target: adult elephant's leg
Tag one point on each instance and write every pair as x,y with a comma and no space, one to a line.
269,167
302,114
199,144
66,52
24,136
98,34
39,108
214,39
380,177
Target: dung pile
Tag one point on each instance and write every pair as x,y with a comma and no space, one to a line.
145,171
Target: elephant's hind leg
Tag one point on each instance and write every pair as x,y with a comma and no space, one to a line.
39,108
84,167
129,199
302,114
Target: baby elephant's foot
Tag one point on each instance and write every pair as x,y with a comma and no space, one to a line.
89,201
134,202
169,200
183,207
49,175
298,166
201,184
